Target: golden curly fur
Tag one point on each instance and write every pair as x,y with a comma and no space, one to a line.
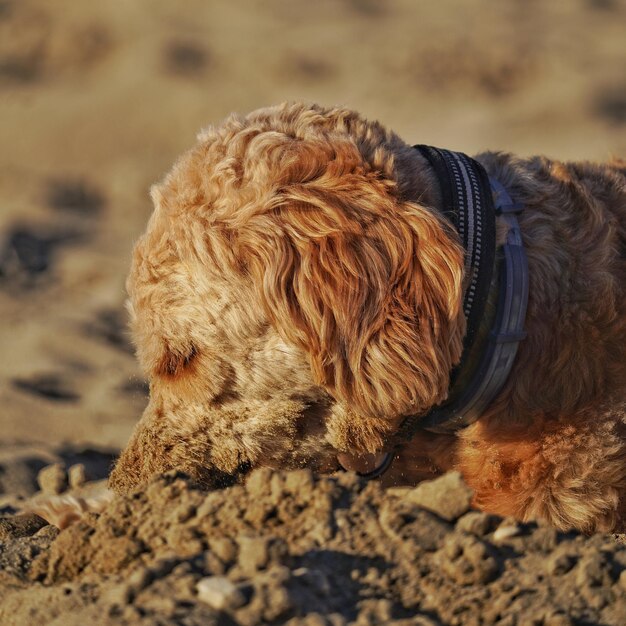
298,292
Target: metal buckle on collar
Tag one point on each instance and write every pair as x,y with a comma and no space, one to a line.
378,471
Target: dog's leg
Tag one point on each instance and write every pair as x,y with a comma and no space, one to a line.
570,472
62,511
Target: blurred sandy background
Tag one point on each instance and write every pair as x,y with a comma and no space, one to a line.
98,98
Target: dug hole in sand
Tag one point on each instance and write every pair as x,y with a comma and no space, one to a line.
293,548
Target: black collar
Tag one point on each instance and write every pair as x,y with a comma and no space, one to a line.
471,200
467,203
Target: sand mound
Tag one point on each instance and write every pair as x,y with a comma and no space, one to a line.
289,547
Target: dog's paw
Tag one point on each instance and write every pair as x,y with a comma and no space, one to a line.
62,511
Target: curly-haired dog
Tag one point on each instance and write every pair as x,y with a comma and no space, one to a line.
299,293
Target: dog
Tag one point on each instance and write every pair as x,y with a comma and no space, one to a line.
298,293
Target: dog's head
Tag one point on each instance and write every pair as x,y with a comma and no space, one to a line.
294,294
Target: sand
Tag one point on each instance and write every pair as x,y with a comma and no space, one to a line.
96,101
292,548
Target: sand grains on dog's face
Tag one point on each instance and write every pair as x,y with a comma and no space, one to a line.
290,547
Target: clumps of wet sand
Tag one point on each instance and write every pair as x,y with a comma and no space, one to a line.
292,548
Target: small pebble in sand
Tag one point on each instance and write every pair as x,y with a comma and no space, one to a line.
52,479
560,563
557,619
224,548
476,523
219,593
506,530
594,570
448,496
77,475
253,553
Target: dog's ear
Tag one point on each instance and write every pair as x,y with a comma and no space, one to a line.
367,284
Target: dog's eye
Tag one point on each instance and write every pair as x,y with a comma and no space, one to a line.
173,363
